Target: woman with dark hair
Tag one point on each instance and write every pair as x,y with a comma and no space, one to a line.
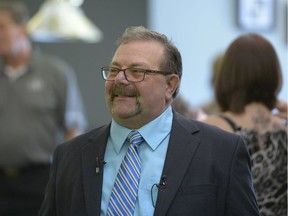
246,90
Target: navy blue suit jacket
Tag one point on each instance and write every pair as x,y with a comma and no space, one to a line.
207,170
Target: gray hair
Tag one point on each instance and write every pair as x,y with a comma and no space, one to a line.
172,59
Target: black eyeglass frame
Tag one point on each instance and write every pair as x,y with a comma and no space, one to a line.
144,71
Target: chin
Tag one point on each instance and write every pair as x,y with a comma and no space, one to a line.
125,113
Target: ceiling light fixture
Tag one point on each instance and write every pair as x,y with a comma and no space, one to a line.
63,21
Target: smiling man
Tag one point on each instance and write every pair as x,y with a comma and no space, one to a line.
137,104
149,160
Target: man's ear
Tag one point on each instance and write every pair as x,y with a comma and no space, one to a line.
173,82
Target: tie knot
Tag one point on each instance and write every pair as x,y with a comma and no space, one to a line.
134,138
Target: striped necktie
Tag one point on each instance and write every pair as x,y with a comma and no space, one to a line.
124,193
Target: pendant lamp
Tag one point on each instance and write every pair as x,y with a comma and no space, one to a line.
63,21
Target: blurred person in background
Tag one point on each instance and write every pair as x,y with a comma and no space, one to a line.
180,105
246,90
281,110
39,100
212,107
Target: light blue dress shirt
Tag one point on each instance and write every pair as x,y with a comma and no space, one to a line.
152,151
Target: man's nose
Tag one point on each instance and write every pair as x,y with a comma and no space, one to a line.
120,77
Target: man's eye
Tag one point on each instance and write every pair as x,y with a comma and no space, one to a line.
136,70
113,70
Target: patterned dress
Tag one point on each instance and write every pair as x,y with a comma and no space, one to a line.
269,168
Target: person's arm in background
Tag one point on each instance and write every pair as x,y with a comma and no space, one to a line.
72,133
75,119
70,111
282,110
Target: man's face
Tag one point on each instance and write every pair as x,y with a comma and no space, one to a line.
135,104
10,34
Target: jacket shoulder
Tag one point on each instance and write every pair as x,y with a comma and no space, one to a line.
80,141
204,130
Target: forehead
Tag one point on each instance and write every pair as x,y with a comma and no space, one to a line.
146,52
5,16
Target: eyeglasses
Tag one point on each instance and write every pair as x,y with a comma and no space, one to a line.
131,74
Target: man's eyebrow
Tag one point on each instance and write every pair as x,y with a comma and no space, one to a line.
134,64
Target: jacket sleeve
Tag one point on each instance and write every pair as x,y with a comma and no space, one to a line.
49,204
241,200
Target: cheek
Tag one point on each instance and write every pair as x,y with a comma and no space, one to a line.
155,93
5,38
11,42
108,87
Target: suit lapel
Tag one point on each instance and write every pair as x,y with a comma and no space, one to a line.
92,181
182,146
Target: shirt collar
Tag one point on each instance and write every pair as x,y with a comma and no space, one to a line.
151,132
15,73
